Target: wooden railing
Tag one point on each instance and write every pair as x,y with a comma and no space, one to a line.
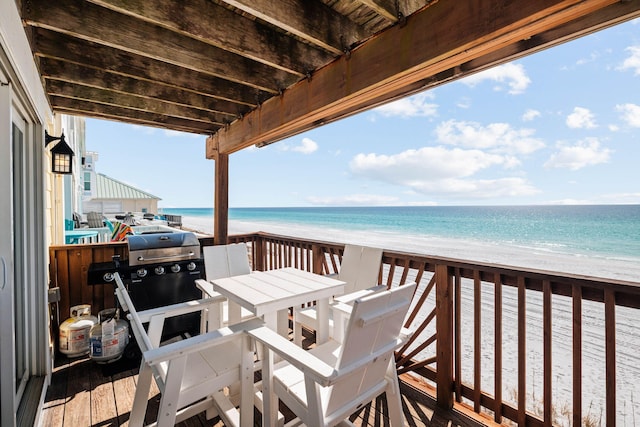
510,343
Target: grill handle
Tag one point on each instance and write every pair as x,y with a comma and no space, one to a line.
190,255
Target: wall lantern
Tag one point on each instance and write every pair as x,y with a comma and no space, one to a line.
61,154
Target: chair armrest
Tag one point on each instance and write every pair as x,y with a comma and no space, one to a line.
179,308
199,342
350,297
312,366
207,289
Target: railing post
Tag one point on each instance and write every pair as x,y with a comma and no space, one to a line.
444,331
318,253
260,253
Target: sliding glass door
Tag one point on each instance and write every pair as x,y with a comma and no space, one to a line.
20,290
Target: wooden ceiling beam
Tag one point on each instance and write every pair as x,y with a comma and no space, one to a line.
385,8
87,21
57,88
309,20
65,48
211,23
398,58
120,114
53,69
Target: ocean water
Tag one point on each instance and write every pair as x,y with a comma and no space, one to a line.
607,231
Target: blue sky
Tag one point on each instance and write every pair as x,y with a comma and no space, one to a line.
558,127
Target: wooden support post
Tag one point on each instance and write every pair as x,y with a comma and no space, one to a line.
260,252
444,330
318,253
221,200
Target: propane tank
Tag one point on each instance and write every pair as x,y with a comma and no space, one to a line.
109,337
74,332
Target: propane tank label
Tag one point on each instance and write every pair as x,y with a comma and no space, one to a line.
74,341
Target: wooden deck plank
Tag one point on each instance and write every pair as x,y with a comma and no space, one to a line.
103,403
124,388
77,411
55,399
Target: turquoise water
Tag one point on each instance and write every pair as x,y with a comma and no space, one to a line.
597,230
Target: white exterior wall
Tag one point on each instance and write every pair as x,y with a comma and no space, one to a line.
23,244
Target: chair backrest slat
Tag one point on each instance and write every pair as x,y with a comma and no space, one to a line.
360,267
226,260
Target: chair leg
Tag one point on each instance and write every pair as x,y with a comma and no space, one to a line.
297,331
394,401
139,408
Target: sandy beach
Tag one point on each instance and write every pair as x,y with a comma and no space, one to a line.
510,255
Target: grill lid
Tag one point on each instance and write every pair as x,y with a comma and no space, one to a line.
162,240
162,247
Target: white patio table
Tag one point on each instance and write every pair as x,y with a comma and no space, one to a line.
267,293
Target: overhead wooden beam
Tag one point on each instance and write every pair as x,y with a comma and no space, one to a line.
312,21
430,42
53,69
62,47
221,27
92,109
386,8
90,22
118,99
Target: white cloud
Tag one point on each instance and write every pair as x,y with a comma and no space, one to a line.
592,58
412,106
633,61
630,114
307,146
530,114
581,118
440,170
573,157
496,137
513,75
354,200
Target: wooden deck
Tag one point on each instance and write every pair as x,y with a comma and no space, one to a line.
84,393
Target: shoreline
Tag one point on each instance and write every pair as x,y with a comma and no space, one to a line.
468,250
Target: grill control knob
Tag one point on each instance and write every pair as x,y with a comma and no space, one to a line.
175,268
159,270
108,277
191,266
141,272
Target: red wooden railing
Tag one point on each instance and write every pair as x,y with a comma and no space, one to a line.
534,347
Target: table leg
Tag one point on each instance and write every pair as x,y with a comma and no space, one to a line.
322,330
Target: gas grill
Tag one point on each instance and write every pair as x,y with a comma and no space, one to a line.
161,270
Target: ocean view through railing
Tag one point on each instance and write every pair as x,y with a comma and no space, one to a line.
517,344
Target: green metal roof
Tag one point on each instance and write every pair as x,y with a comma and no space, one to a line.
109,188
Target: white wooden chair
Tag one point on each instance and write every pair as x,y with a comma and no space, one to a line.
325,385
359,268
192,374
223,261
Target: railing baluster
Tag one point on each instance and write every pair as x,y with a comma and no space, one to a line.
547,334
458,332
497,348
477,340
444,343
522,352
577,354
610,350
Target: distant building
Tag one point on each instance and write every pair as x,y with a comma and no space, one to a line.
110,196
